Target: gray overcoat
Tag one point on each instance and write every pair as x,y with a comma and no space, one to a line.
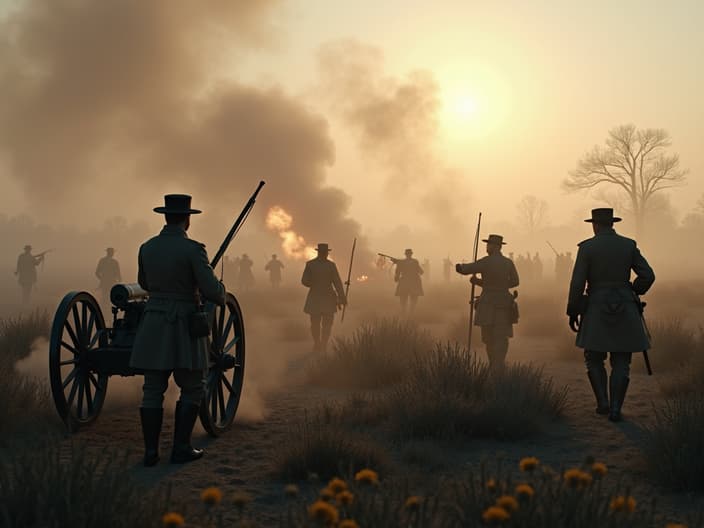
326,291
611,319
174,270
407,275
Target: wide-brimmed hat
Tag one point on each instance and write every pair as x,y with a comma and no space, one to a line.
110,249
495,239
28,247
177,204
409,250
323,247
603,215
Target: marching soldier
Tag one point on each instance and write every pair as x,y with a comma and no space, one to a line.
325,296
496,308
446,269
407,275
26,271
176,272
108,273
245,276
274,267
608,318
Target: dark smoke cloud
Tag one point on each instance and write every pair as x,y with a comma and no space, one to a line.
132,96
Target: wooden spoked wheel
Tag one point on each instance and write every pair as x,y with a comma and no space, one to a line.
77,331
226,370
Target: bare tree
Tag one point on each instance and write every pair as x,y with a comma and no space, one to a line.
636,162
532,212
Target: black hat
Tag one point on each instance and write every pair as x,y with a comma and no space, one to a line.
323,247
28,247
603,215
495,239
176,204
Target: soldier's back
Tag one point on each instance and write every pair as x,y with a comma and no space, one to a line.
167,262
609,258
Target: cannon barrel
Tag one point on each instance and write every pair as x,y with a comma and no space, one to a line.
123,294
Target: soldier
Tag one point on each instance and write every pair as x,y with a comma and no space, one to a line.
496,308
325,296
407,275
26,271
537,267
608,318
274,267
446,269
176,272
245,275
108,273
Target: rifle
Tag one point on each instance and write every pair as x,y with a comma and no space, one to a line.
641,309
349,276
471,294
553,249
40,255
392,259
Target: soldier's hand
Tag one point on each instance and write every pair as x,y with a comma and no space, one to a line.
458,268
575,323
475,280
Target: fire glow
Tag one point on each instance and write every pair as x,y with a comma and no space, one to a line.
293,244
362,278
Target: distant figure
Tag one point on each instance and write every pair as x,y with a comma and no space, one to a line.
108,273
537,268
407,275
325,296
245,276
609,317
496,308
446,269
274,267
426,270
26,272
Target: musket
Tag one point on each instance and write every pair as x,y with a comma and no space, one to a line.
392,259
39,255
471,293
347,283
554,250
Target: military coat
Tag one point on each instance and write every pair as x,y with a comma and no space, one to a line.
407,276
108,271
27,269
175,271
611,319
326,291
496,306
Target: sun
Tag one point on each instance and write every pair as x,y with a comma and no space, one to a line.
463,111
465,106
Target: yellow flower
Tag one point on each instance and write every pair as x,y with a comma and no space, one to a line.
577,478
172,520
507,502
241,499
675,525
491,484
211,496
367,476
413,503
324,512
528,463
623,504
525,491
348,523
599,469
327,494
345,498
337,485
495,514
291,490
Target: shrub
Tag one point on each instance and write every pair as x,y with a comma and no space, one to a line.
25,402
673,344
17,334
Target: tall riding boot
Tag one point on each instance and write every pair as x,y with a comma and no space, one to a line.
598,379
184,420
618,385
151,428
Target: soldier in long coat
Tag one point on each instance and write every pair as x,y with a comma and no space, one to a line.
245,276
325,296
496,309
407,277
108,273
274,267
608,318
175,270
26,271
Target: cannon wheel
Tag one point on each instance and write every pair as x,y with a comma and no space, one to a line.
78,328
226,372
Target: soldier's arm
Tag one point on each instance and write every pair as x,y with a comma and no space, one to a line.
208,284
513,280
470,268
419,268
337,284
578,283
645,276
141,275
397,273
306,279
98,268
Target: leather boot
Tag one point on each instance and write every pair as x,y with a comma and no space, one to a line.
598,381
184,420
618,385
151,428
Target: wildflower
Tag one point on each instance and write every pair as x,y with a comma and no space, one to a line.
495,514
528,463
337,485
291,490
507,502
675,525
367,476
240,499
599,469
211,496
324,512
326,494
576,478
491,484
344,498
172,520
348,523
524,491
413,503
623,504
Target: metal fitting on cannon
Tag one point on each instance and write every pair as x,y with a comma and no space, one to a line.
121,295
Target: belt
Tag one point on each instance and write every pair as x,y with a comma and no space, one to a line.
167,296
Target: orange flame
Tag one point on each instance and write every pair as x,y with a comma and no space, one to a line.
363,278
293,244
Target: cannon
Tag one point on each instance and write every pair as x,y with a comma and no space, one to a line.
84,352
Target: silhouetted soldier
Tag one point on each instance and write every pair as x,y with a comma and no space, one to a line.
496,309
407,275
608,318
274,267
446,269
108,273
325,296
537,267
245,276
176,272
26,271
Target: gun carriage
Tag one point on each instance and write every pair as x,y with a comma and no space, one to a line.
84,352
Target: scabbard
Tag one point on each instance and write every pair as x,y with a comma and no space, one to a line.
647,363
